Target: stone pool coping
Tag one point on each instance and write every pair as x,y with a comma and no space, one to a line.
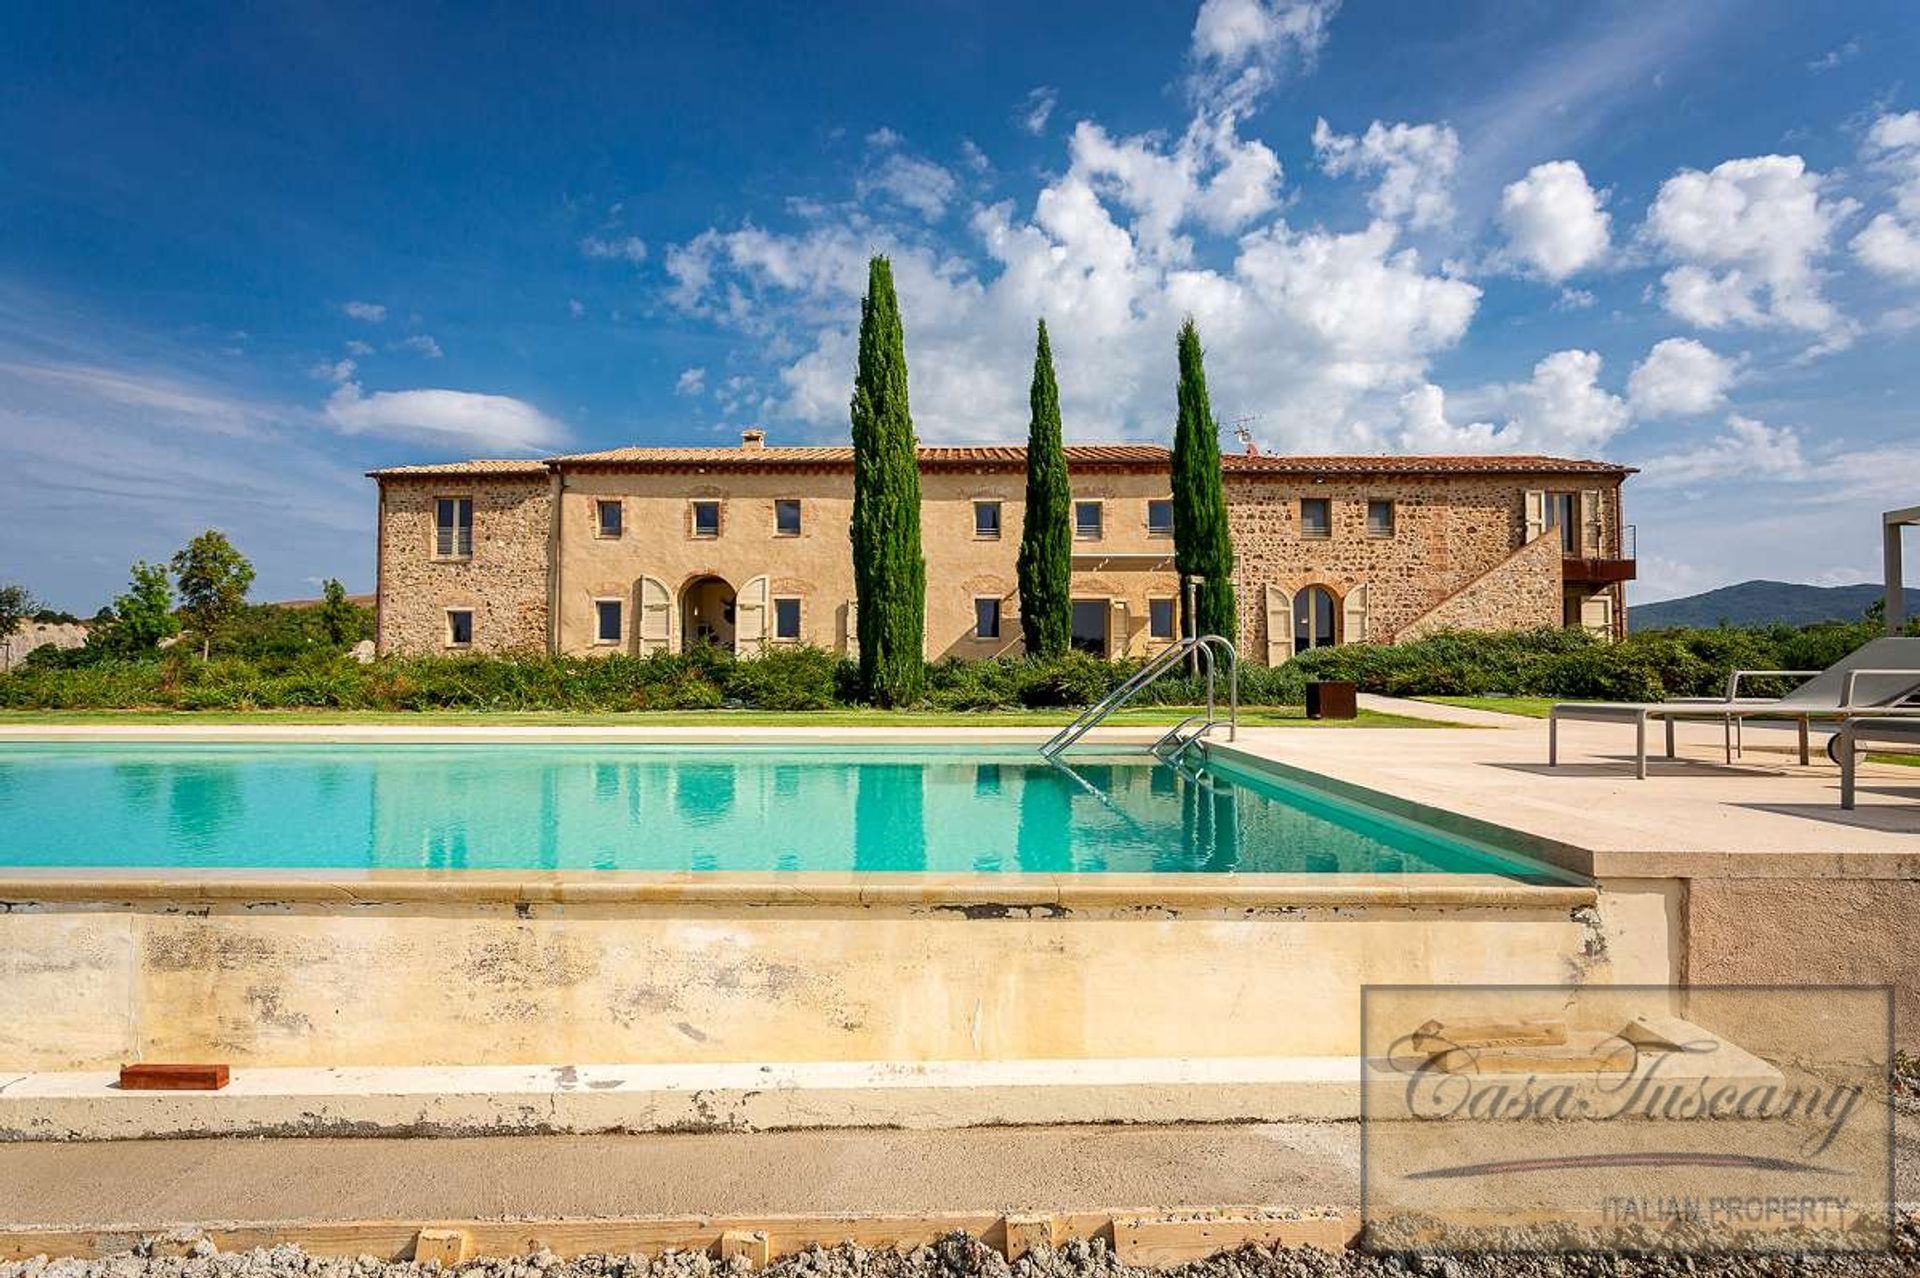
972,895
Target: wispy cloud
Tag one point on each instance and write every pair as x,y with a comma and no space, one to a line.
370,312
628,248
460,421
420,344
1036,109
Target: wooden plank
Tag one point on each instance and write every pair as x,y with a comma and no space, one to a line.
754,1245
446,1247
1156,1240
1027,1233
1524,1031
147,1076
1149,1238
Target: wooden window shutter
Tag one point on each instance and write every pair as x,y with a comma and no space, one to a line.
1596,615
1536,513
1279,626
750,609
851,641
1353,616
1590,522
654,628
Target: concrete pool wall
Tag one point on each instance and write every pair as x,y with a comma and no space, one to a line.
403,969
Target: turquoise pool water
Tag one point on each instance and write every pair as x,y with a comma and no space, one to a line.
503,805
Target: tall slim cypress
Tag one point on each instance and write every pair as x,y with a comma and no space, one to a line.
889,571
1201,544
1046,533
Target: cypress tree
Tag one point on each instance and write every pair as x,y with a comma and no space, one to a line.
1201,544
889,571
1046,533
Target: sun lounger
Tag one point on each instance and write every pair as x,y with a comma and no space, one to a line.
1873,679
1903,734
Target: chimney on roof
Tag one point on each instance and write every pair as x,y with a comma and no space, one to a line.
753,439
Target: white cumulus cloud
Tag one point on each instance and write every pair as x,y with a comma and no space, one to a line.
1746,449
1890,244
1037,109
690,382
1554,221
914,183
1679,377
451,419
1748,237
1561,409
629,248
1414,162
1241,47
371,312
420,344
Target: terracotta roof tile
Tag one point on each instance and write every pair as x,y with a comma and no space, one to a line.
842,455
476,466
1417,464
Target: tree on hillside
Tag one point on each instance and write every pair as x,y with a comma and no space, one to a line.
1046,534
17,607
138,620
213,578
339,619
1201,545
889,571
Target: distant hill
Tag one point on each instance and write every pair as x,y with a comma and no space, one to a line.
1760,603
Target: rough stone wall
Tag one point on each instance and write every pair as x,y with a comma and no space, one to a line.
1522,593
38,634
504,582
1449,531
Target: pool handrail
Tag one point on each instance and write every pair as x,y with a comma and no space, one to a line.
1201,647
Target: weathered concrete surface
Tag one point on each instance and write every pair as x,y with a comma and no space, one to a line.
263,981
743,1096
1003,1168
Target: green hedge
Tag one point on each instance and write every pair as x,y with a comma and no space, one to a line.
1550,663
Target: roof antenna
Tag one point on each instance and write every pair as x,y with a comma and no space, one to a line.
1243,431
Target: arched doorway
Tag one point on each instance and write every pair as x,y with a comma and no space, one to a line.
706,613
1316,619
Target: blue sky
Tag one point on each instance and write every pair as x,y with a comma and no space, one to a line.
247,254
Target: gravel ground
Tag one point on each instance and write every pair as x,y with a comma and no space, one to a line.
962,1257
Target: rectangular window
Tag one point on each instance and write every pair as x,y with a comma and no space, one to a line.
1087,520
1160,517
1316,517
459,627
986,519
607,518
786,517
786,619
453,527
1379,518
706,519
1159,618
986,618
606,621
1089,632
1563,513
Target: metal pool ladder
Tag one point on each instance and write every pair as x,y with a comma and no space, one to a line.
1210,652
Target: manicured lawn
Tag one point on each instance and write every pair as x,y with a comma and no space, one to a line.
1531,707
1251,717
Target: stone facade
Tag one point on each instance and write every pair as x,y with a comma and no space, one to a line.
1454,540
39,634
503,582
653,549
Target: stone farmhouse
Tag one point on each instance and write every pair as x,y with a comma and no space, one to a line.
642,550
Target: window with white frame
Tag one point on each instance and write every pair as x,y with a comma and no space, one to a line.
986,617
459,627
1379,517
986,519
786,517
607,621
608,518
786,619
1160,517
1159,618
453,527
1088,519
706,519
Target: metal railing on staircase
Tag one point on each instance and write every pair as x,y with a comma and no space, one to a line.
1209,652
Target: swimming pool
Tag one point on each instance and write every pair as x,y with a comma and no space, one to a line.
517,806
